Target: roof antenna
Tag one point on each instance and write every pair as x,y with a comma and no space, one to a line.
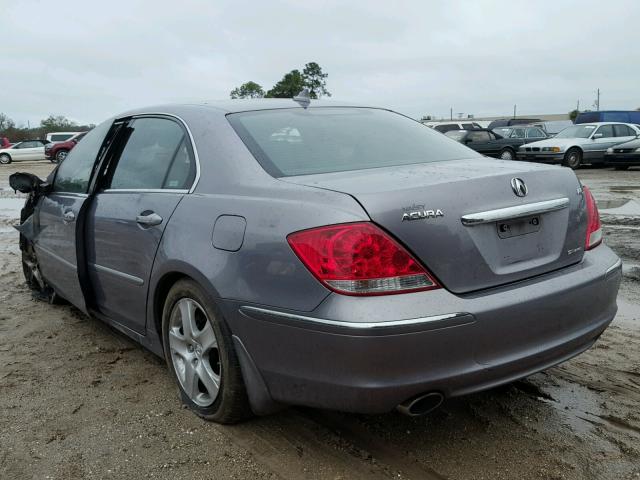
303,98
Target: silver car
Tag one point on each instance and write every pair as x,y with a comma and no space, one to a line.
578,144
23,151
329,255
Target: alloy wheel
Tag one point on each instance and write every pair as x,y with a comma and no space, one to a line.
194,352
61,155
506,155
5,159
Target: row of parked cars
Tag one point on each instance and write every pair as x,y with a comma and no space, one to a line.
612,143
54,147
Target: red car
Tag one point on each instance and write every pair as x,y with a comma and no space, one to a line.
57,151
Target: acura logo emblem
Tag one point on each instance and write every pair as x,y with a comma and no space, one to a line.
518,187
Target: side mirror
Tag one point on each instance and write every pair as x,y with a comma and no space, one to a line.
26,182
597,135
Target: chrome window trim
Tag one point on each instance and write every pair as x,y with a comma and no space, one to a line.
125,276
517,211
143,190
355,325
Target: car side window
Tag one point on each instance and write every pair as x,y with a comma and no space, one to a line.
29,145
74,172
622,131
517,133
606,131
478,136
535,133
157,155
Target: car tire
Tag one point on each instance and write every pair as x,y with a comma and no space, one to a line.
201,354
573,158
59,156
621,167
5,159
507,154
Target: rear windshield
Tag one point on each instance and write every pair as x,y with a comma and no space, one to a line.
61,137
290,142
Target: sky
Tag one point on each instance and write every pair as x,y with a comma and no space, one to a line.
90,60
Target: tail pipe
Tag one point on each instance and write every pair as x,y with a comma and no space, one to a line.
421,405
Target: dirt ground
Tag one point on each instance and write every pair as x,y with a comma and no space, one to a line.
78,400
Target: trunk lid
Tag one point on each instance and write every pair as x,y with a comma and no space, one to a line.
423,206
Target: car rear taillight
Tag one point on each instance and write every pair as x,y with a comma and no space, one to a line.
359,259
594,228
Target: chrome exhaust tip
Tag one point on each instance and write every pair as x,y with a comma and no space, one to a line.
421,405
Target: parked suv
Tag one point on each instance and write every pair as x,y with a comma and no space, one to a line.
61,136
444,127
57,151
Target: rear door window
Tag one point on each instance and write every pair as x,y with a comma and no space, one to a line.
157,155
622,131
535,133
517,133
479,136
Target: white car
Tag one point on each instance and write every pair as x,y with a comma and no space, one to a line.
27,150
444,127
578,144
56,137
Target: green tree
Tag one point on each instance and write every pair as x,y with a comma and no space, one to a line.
57,122
315,80
248,90
573,114
6,123
290,85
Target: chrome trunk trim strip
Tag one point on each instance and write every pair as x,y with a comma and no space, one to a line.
517,211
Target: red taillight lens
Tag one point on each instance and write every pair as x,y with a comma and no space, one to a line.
594,228
359,259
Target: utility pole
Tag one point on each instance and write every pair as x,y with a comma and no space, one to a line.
514,111
451,113
598,100
578,105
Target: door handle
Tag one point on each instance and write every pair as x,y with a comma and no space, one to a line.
68,217
148,219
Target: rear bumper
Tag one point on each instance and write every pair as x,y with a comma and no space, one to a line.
352,354
540,157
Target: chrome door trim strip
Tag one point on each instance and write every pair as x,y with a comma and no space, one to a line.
66,263
125,276
517,211
353,325
143,190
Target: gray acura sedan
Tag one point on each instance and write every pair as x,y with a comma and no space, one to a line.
328,255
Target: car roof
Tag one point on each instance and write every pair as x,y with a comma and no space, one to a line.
245,105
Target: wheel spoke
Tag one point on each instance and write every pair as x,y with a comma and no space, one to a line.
177,343
187,314
209,379
206,337
190,381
